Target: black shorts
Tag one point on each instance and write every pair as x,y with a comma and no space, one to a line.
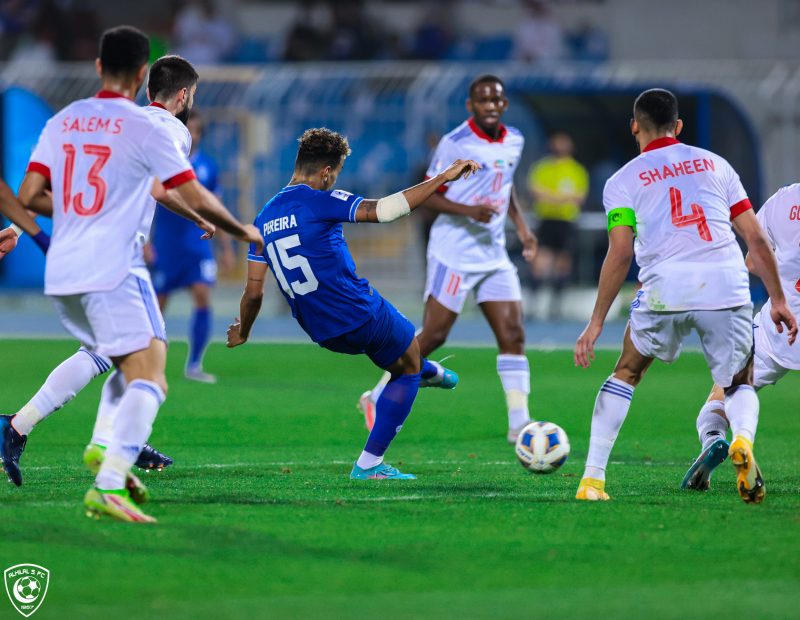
557,235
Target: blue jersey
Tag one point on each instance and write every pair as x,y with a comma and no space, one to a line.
306,252
177,237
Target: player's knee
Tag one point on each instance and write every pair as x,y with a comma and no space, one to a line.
631,376
512,340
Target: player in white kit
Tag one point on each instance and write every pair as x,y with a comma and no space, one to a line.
681,203
74,373
467,247
773,356
99,157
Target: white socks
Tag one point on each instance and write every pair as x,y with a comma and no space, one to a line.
610,411
133,422
515,375
113,389
741,407
367,460
60,387
711,423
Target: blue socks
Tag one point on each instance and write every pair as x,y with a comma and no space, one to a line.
199,335
393,408
428,370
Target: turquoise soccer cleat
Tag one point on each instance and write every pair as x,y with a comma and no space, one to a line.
698,478
445,378
384,471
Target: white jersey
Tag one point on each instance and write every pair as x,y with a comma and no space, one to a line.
459,241
684,199
182,139
100,156
780,219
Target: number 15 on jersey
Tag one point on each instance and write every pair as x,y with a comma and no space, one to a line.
280,259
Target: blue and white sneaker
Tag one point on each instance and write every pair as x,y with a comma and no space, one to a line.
698,478
444,378
379,472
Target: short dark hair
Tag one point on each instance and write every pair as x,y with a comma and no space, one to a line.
656,109
486,78
320,147
123,50
168,75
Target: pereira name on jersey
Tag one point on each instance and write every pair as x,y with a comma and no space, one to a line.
461,242
307,253
101,182
684,199
780,219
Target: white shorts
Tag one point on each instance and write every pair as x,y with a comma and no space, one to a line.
726,336
766,371
114,323
450,287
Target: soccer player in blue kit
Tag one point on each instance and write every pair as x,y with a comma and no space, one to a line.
305,249
181,259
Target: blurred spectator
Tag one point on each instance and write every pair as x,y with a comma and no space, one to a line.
559,185
589,43
84,32
39,43
309,37
539,37
201,34
433,35
354,36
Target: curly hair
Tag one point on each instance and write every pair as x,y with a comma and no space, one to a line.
320,147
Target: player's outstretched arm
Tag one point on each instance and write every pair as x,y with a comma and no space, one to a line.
8,241
172,200
612,275
250,306
764,265
402,203
208,205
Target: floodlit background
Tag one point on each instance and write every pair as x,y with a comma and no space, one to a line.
392,76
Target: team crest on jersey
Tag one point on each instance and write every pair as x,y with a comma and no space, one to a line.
26,586
341,194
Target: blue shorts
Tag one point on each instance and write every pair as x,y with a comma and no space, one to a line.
384,338
169,276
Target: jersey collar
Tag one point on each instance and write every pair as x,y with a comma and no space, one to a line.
156,104
483,135
660,143
109,94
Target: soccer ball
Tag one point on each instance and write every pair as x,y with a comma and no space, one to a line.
542,447
28,587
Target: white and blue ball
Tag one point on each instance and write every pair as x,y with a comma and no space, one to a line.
542,447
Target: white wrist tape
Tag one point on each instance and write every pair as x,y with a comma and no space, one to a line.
17,230
392,207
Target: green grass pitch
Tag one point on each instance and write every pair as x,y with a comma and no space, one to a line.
258,518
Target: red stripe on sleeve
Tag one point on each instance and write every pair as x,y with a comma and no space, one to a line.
35,166
739,208
179,179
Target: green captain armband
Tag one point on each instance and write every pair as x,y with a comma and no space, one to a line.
622,216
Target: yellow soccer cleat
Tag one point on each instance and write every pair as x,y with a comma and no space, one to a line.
116,504
749,482
592,490
93,457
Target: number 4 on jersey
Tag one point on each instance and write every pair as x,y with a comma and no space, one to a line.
697,218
